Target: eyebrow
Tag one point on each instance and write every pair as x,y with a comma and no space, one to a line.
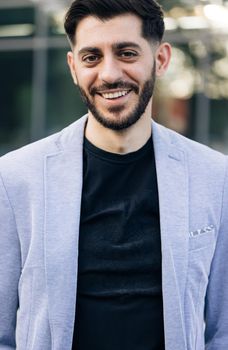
124,44
117,46
89,49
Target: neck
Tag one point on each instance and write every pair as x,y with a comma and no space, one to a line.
120,142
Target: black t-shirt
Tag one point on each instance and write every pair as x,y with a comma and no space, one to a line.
119,292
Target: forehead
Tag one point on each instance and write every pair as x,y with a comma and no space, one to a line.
92,31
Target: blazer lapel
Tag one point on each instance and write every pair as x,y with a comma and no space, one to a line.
172,178
63,187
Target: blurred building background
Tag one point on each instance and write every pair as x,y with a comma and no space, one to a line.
37,95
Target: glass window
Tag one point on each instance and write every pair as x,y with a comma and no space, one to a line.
64,104
15,99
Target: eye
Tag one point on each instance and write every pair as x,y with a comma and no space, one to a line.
128,54
90,59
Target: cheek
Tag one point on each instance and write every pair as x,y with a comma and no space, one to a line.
86,78
139,74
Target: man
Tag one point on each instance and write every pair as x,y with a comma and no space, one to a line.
114,231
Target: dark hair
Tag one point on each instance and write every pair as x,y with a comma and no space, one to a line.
149,11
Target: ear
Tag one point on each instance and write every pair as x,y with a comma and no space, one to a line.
163,56
71,64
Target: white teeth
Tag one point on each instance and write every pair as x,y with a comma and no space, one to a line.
115,94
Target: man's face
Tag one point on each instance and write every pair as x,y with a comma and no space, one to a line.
114,68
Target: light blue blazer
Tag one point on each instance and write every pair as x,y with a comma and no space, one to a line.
40,195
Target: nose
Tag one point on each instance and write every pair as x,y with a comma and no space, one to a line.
110,70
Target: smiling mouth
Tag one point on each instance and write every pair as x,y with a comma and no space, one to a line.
114,95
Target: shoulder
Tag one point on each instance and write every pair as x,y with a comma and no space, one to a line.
25,165
29,153
57,142
29,160
204,166
193,149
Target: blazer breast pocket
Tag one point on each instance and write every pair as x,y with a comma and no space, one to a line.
200,255
203,238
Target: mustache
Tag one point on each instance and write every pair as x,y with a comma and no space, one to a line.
111,86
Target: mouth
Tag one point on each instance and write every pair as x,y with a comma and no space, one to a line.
114,95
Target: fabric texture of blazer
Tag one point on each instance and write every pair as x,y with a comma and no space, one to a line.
40,196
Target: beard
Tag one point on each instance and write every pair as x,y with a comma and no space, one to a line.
132,117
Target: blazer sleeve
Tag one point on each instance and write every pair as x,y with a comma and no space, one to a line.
10,267
216,307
